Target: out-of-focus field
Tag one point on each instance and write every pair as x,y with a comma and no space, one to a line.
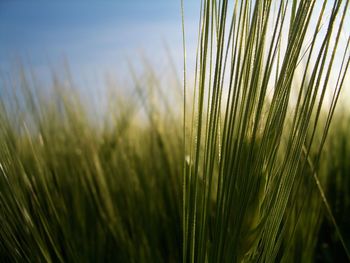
74,188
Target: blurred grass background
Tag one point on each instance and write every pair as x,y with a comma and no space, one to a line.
77,189
74,189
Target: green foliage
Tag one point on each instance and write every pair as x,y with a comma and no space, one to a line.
335,171
245,174
254,134
73,192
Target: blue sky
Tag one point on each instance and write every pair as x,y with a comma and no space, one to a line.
95,36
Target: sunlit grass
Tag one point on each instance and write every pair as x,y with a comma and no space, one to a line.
257,134
243,166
